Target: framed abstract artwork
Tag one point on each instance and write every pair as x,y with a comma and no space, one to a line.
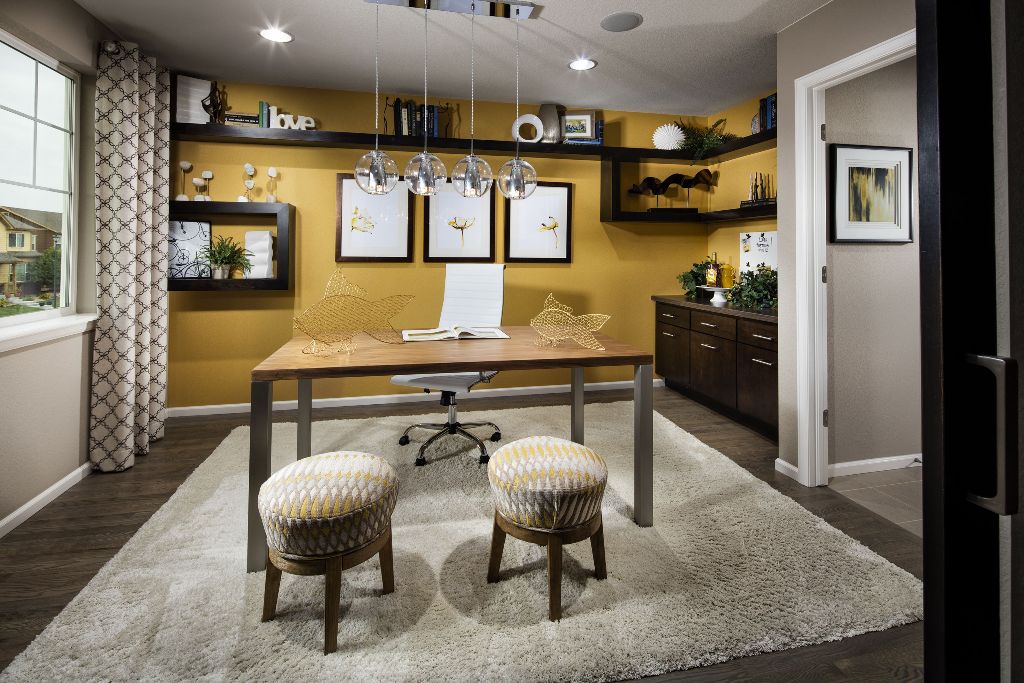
538,229
373,227
185,242
458,229
870,198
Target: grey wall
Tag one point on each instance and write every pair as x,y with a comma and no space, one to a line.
874,345
837,30
44,405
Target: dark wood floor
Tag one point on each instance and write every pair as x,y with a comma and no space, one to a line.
49,558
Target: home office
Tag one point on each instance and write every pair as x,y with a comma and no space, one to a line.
462,340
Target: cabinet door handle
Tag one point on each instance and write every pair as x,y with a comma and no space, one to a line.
762,362
709,346
1004,502
761,336
667,315
709,325
668,334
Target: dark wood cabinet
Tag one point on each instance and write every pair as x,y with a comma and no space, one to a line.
725,357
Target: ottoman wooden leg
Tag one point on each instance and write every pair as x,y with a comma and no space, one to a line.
387,566
497,547
270,590
597,546
554,577
332,604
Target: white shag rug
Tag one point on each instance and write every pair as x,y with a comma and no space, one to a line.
731,568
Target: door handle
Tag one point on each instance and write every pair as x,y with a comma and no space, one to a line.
762,362
761,336
668,334
1004,502
709,346
708,325
667,315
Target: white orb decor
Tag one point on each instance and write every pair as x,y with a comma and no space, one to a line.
207,174
185,166
425,174
669,136
517,179
472,176
249,184
376,173
528,119
250,170
272,171
198,182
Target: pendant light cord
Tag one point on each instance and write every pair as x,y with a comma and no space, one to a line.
472,79
376,84
426,8
517,80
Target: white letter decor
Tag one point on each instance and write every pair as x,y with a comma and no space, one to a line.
528,119
290,121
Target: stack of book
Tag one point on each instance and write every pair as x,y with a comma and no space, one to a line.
242,120
766,113
598,138
412,119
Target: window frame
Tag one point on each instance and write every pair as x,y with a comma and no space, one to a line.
69,265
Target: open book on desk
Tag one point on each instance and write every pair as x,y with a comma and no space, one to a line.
453,332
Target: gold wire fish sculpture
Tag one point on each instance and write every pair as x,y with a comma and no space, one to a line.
361,222
462,224
556,322
343,312
552,227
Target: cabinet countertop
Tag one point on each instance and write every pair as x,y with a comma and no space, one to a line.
680,300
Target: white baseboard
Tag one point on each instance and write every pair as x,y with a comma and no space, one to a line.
791,471
894,462
8,523
385,399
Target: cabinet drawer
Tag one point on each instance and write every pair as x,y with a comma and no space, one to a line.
757,384
713,324
764,335
713,367
672,315
672,353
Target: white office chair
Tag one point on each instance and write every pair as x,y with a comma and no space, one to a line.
473,296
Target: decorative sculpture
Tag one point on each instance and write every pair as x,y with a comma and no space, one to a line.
185,167
652,186
272,184
213,104
343,312
668,136
290,121
556,323
249,183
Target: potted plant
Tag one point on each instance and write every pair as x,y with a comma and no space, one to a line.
225,255
694,278
758,288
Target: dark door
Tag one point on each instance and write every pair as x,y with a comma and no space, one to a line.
972,307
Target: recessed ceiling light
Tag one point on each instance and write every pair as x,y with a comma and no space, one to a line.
582,64
621,21
276,35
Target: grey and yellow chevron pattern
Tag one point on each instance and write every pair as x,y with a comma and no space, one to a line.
328,504
547,483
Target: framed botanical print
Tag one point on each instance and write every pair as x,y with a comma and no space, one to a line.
458,229
538,229
870,198
373,227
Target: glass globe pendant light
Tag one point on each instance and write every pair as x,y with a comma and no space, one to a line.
376,172
425,174
517,178
471,176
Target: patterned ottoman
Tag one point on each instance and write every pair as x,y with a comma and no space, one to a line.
548,491
324,514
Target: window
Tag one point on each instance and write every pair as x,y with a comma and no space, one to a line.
37,182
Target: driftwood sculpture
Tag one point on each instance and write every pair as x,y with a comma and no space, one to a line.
652,186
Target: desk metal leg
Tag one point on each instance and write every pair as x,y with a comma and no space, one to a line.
576,428
304,427
643,445
260,426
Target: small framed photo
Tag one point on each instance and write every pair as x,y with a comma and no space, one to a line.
578,125
870,194
457,228
373,227
538,229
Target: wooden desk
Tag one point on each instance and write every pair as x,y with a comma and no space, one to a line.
371,358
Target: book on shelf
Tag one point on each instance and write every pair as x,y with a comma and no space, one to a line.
264,115
231,117
242,124
410,112
397,111
772,113
453,332
404,128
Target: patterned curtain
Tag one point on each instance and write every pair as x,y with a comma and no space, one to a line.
129,364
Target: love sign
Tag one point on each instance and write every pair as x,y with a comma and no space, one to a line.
294,122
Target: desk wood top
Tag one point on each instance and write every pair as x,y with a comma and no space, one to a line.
372,357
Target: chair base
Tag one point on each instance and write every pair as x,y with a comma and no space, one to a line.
452,426
331,566
554,540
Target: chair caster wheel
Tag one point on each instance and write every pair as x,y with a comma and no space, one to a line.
403,440
421,461
496,436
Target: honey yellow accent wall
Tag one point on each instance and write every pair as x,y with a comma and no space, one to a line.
216,338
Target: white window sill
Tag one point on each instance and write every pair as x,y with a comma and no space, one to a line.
29,334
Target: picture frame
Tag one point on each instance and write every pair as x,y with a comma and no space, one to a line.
185,243
444,241
528,235
373,228
870,194
579,125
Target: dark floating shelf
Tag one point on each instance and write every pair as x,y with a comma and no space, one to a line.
280,214
210,132
691,216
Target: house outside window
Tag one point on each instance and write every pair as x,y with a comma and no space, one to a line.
38,119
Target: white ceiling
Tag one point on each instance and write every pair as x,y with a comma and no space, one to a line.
688,57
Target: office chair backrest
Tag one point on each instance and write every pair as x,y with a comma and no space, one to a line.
473,294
